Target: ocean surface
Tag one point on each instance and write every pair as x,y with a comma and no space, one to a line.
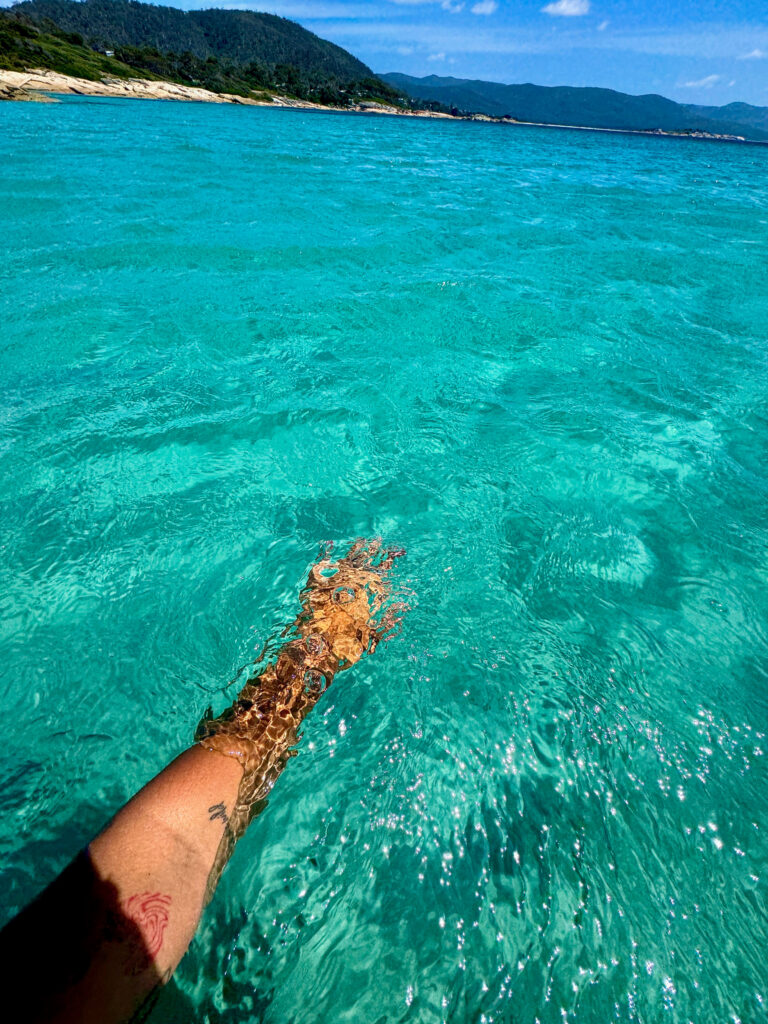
537,360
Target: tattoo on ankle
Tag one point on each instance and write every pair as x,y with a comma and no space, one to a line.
218,811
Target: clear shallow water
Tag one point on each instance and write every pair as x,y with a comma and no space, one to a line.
535,359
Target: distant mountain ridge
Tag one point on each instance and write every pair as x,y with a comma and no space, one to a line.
588,107
239,37
736,113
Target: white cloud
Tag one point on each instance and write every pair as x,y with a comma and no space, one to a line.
305,9
709,42
702,83
603,25
567,8
754,55
436,56
485,7
448,5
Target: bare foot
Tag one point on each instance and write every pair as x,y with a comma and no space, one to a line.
344,603
344,615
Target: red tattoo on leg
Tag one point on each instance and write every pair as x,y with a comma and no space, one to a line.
149,913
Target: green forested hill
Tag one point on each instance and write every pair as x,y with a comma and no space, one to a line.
567,105
24,46
238,52
237,37
740,113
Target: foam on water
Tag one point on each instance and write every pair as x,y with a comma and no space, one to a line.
536,360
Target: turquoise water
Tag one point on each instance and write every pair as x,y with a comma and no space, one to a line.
536,359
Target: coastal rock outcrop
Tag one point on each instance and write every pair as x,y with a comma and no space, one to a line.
9,91
35,83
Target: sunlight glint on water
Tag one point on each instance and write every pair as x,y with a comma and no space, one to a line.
537,361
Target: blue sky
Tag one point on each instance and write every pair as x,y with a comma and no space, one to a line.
695,52
709,51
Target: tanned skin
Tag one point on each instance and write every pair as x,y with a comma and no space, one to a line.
102,938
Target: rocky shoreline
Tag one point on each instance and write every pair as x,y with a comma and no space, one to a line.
37,84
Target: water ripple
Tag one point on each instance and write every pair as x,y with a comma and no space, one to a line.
533,360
